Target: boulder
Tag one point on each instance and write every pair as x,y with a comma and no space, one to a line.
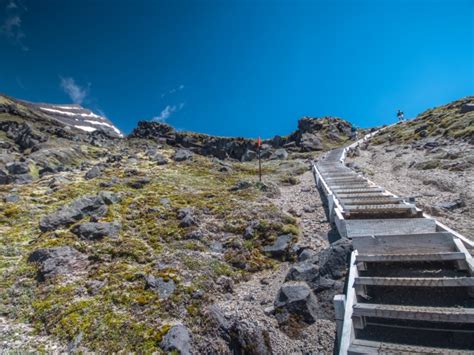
241,185
21,134
18,168
296,298
58,261
249,155
97,230
93,173
163,288
467,108
303,271
279,154
109,197
178,339
4,177
182,155
452,205
75,211
138,183
22,179
226,283
159,159
11,198
333,260
280,248
308,255
309,142
186,217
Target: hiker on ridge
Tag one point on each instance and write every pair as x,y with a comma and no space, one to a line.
400,115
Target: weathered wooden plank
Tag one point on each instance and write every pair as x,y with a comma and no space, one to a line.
431,314
406,243
415,281
361,190
360,347
368,227
381,258
371,201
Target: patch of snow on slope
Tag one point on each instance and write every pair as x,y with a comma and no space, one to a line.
86,128
107,125
71,113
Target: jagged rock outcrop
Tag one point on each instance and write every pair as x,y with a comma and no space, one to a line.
312,135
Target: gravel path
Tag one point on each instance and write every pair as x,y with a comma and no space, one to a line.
252,301
21,338
392,168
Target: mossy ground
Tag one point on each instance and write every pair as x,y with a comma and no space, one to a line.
445,121
123,315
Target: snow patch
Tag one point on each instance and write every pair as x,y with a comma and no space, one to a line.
71,113
107,125
87,128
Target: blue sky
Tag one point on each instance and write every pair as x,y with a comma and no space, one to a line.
239,68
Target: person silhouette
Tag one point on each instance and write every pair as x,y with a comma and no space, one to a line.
400,115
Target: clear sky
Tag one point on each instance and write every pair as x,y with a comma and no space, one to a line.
239,68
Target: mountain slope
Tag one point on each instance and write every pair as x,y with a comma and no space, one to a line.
73,117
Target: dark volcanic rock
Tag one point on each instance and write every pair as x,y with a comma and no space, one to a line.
279,154
241,185
163,288
296,298
11,198
452,205
18,168
178,338
304,271
249,155
280,248
139,183
4,177
333,260
21,134
97,230
93,173
159,159
78,209
182,155
186,217
58,261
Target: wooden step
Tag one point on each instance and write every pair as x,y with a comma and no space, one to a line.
415,281
353,177
437,242
399,207
429,314
383,226
337,187
361,196
356,191
388,258
371,201
362,347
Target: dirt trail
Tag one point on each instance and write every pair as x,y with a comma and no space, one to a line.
252,301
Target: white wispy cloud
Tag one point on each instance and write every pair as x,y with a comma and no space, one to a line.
11,27
167,112
173,90
76,92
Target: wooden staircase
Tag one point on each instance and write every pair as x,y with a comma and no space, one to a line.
410,282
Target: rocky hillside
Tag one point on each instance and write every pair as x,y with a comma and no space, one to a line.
312,135
111,244
432,158
74,118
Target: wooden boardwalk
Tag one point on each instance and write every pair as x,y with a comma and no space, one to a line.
411,279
